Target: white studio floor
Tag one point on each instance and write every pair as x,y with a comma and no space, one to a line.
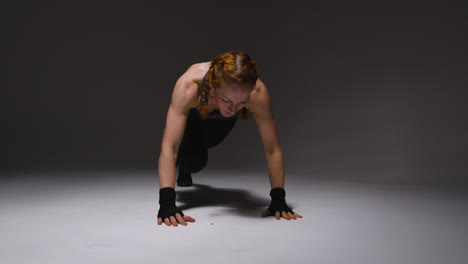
111,218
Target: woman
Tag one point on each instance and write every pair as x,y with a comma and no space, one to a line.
206,102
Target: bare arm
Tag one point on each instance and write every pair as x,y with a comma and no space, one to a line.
183,98
266,124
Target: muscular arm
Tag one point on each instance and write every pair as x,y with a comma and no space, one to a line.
266,123
183,98
268,132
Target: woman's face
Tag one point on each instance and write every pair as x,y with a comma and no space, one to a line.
231,98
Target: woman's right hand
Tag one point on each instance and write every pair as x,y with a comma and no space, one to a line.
173,221
168,211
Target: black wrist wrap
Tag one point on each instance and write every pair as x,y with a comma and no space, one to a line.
167,205
278,201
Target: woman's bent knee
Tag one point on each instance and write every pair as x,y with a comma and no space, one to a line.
194,163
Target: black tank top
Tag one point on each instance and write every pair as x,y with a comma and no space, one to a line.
202,88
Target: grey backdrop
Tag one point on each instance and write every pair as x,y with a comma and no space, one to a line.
372,92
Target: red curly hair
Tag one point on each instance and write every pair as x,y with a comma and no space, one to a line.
231,67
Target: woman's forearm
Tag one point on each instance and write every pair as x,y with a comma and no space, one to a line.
166,170
276,169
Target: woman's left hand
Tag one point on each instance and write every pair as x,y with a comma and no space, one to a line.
278,215
278,206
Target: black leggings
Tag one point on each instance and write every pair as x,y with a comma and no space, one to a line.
199,135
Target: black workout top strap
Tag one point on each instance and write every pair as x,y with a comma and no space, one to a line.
202,88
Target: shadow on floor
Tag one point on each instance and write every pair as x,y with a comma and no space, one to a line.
235,201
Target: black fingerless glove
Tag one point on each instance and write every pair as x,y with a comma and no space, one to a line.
278,201
167,205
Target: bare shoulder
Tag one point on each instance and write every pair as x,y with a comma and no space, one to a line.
260,103
186,90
